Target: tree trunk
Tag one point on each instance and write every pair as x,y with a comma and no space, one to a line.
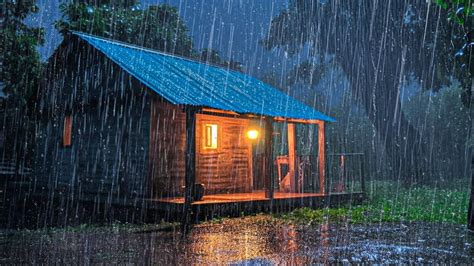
470,213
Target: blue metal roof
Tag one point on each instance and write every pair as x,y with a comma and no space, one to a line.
188,82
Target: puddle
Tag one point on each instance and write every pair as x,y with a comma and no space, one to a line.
256,240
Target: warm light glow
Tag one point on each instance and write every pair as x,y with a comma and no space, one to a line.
210,136
252,134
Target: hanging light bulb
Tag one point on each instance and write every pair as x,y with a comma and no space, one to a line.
252,134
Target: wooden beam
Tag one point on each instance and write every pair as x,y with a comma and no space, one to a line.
298,121
322,157
190,166
250,165
268,159
218,111
292,156
224,113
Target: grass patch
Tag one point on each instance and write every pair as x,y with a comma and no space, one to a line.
389,202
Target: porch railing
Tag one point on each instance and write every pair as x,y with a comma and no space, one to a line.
345,173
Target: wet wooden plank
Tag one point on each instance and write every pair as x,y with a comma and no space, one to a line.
256,202
322,157
227,167
268,159
292,156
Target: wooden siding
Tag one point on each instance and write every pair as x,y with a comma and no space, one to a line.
109,133
227,169
167,148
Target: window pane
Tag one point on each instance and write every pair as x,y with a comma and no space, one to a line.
210,137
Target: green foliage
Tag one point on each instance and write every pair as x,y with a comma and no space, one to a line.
461,18
19,62
157,27
389,202
459,10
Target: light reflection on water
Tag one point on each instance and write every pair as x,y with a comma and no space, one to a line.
249,245
257,240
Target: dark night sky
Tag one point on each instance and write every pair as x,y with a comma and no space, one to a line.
233,27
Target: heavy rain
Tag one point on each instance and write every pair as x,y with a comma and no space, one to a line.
242,132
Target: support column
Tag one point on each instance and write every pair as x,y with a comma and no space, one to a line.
292,158
190,166
322,157
268,159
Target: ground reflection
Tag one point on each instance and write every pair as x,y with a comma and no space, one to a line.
249,244
256,240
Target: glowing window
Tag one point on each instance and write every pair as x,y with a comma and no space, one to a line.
210,136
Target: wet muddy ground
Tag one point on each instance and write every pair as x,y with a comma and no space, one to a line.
254,240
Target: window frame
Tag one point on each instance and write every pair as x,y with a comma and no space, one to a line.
205,138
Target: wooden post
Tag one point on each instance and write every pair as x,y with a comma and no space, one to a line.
190,166
470,213
322,157
292,156
268,159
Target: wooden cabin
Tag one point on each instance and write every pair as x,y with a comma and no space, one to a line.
121,123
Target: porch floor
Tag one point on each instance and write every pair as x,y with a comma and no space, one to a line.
219,205
241,197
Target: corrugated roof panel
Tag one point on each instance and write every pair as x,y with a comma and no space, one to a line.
188,82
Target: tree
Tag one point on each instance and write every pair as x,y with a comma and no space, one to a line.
461,18
378,45
461,12
157,27
20,70
20,64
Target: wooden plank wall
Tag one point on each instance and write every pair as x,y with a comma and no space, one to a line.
106,160
167,148
228,169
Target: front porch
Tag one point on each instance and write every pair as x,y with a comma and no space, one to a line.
240,197
345,185
236,204
236,164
